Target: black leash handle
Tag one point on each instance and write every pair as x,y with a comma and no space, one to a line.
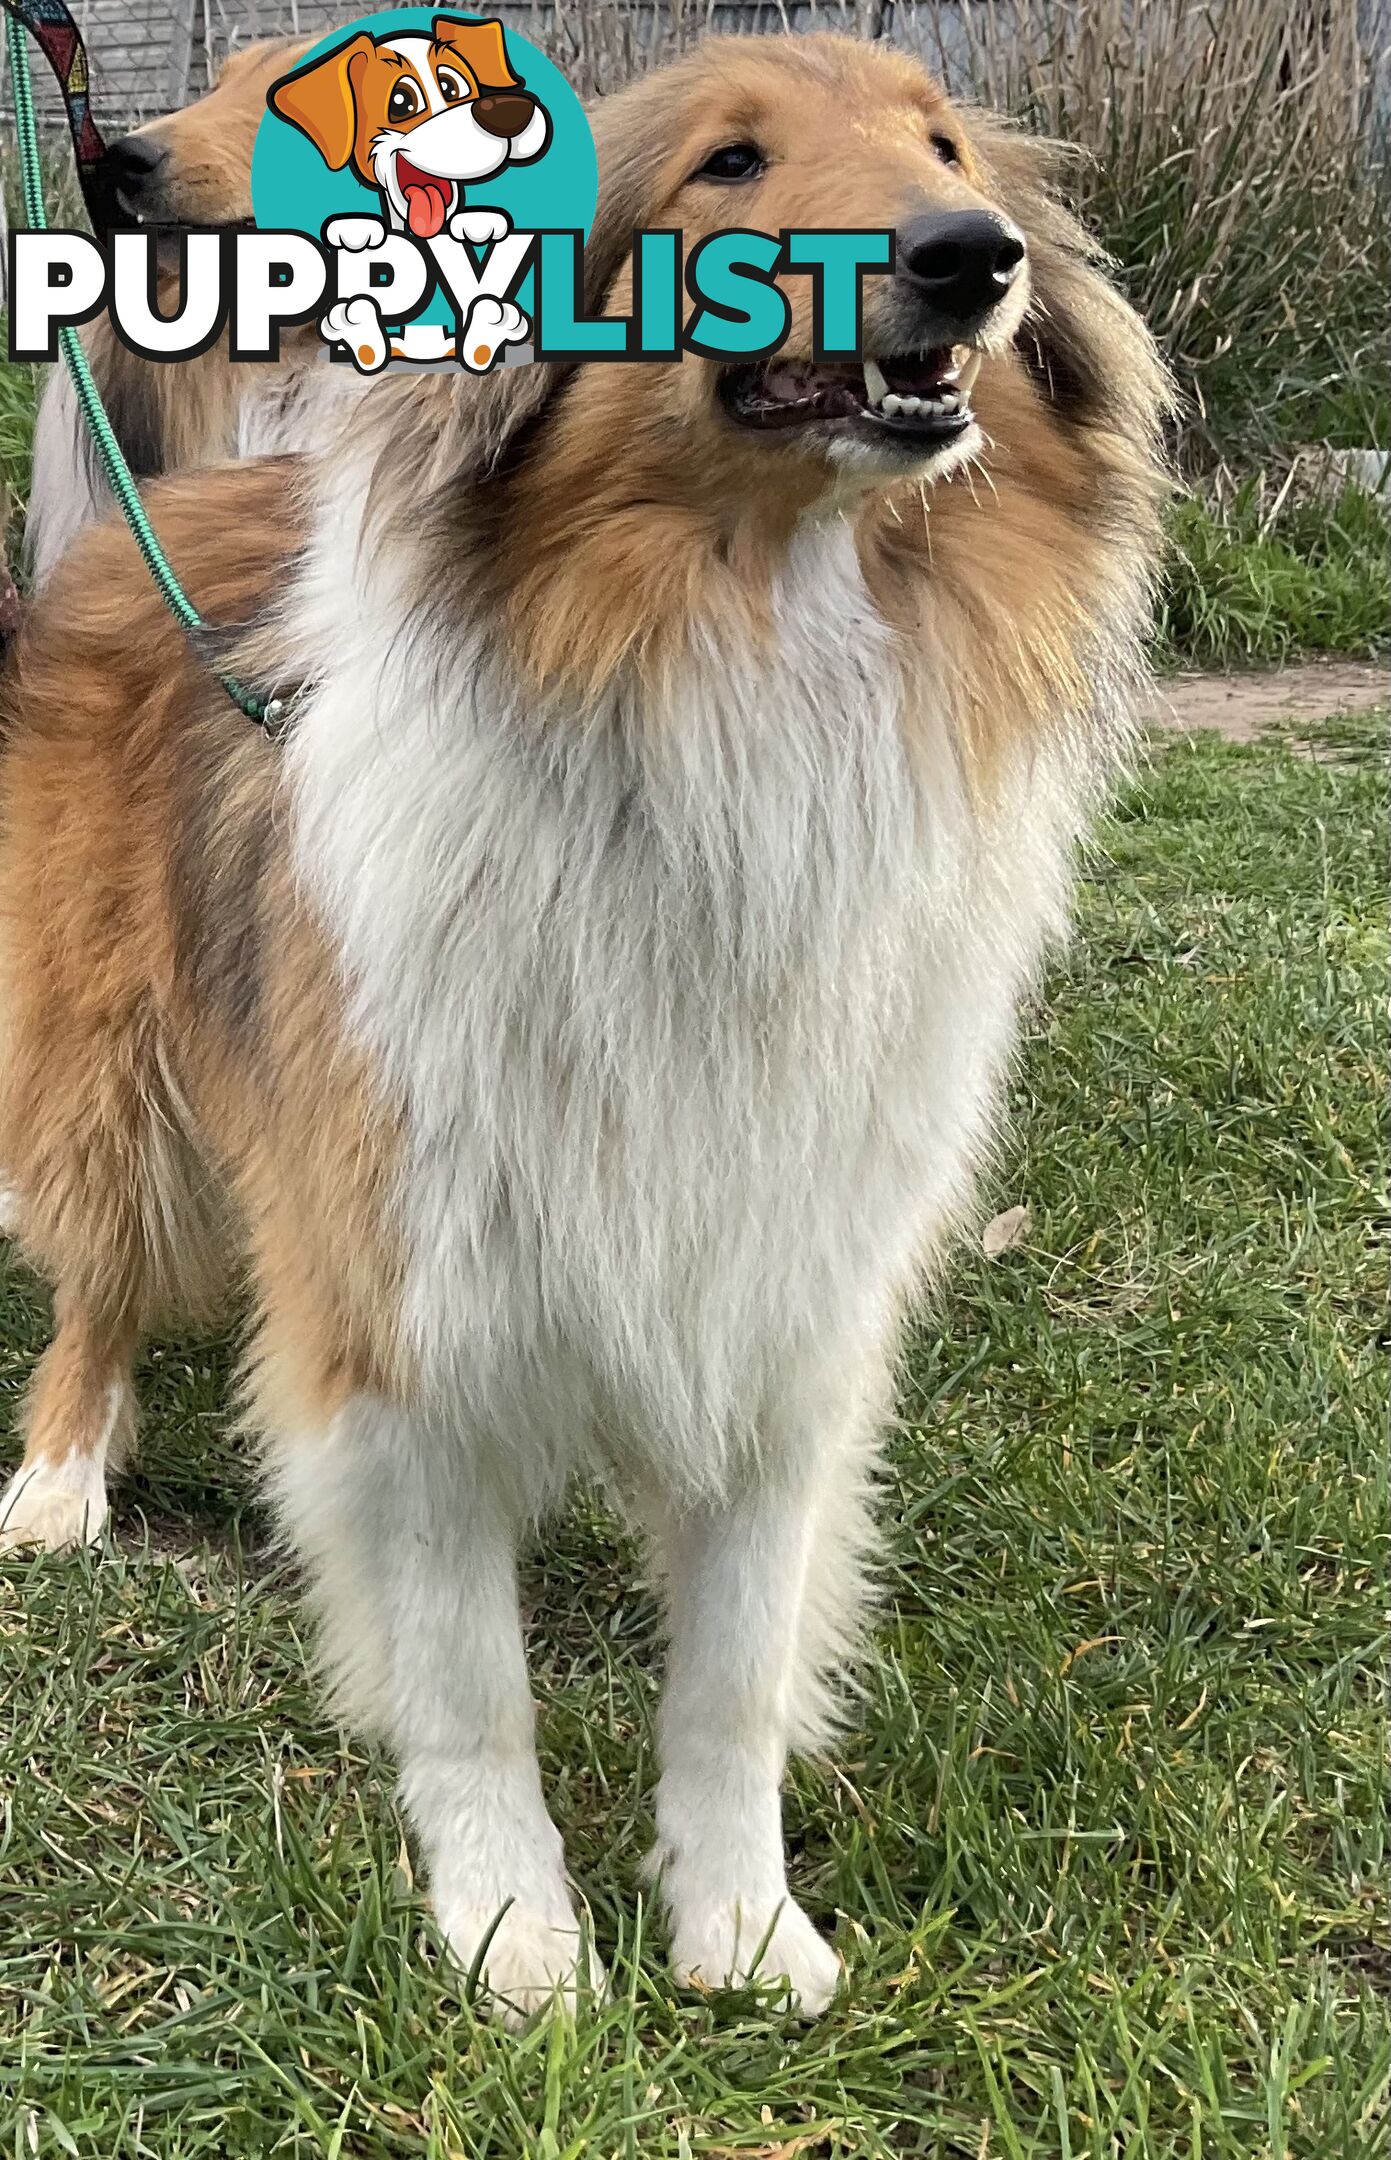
51,24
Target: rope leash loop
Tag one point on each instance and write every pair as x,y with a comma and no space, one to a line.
22,15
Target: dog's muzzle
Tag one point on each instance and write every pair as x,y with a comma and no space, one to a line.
128,182
954,272
963,262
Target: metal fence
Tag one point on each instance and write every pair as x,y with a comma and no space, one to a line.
148,56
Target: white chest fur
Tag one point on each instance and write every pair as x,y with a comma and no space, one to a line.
693,1018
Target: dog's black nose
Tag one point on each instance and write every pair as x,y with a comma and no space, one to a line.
124,176
963,260
133,160
503,112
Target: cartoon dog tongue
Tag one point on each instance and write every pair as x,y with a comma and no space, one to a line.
427,199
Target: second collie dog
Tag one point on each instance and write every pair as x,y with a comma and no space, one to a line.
192,167
585,1019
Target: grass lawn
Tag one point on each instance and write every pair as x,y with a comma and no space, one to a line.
1106,1856
1240,590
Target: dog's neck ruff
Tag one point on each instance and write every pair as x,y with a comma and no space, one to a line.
657,994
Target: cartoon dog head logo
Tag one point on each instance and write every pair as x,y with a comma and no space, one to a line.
417,118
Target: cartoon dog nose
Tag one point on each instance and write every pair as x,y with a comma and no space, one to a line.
503,112
963,260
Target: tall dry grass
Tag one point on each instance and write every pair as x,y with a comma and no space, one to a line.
1235,166
1229,156
1230,159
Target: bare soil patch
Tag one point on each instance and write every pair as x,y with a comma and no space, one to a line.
1245,707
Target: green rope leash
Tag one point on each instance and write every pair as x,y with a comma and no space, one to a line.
118,474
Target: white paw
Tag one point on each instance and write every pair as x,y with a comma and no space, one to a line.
722,1947
11,1213
54,1504
491,325
357,324
355,233
533,1960
479,227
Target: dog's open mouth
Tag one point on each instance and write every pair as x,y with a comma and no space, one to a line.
428,198
923,397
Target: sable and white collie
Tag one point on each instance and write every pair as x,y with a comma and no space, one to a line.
583,1020
191,167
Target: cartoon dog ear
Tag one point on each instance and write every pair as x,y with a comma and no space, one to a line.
482,48
321,99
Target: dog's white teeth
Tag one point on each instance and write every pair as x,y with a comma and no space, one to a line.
876,382
968,371
894,404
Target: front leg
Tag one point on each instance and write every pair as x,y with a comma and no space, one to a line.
738,1578
411,1548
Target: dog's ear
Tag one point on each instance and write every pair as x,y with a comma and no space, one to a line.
1086,347
471,432
635,133
321,99
481,46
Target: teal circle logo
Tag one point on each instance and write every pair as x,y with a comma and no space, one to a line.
498,128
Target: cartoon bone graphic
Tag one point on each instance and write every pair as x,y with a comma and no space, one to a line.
489,324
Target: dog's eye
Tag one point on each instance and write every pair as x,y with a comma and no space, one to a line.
732,161
451,88
404,102
946,149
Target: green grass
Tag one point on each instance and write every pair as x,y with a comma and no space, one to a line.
1241,592
1105,1854
18,394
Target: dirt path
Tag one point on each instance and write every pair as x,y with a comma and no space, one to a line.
1242,707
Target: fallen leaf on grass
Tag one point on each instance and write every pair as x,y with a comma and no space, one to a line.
1005,1230
805,2141
1096,1642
